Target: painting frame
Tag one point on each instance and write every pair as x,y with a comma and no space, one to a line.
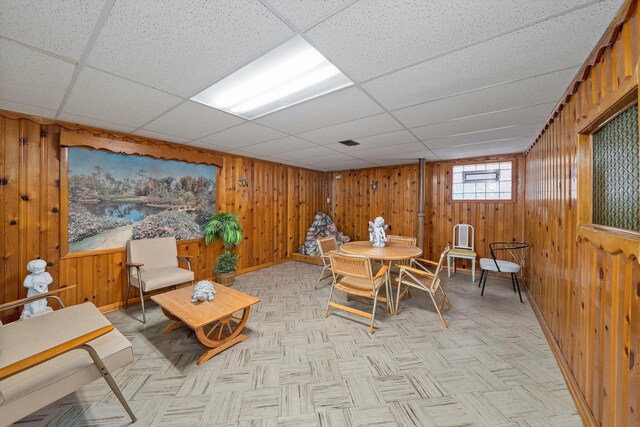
157,150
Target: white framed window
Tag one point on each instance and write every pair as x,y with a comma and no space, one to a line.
482,181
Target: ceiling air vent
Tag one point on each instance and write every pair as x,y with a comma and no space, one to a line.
349,143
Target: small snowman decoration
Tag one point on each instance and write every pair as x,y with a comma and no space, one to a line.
37,283
377,234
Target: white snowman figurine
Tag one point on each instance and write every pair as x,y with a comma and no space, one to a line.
37,283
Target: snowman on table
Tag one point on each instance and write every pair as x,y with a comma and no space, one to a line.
37,283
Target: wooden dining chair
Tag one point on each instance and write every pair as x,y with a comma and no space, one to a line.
326,245
394,269
402,240
425,280
353,275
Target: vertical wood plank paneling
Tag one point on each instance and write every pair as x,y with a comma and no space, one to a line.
589,298
30,212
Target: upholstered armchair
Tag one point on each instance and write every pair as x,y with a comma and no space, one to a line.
152,264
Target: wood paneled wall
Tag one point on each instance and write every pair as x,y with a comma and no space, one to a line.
587,297
396,200
355,204
492,221
276,208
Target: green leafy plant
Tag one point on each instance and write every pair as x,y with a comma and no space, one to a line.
223,226
227,263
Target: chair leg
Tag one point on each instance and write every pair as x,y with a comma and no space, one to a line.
373,312
398,298
513,283
481,277
473,270
126,301
484,283
320,278
109,379
444,323
326,311
518,286
144,316
448,266
445,298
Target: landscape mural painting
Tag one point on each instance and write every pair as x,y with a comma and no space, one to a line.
116,197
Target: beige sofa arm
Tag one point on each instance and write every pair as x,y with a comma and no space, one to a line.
51,294
50,353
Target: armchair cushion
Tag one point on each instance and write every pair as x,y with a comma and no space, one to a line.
47,382
159,278
505,266
153,253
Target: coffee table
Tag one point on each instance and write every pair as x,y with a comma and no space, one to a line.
215,323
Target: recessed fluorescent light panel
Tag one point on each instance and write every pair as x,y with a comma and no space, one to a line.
289,74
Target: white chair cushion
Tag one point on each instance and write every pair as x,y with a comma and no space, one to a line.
159,278
505,266
153,253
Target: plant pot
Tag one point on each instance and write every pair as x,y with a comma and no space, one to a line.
226,279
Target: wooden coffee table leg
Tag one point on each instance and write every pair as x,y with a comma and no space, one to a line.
221,334
175,324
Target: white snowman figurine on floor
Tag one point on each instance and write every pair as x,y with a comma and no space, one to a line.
377,234
37,283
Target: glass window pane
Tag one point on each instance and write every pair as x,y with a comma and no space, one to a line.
457,169
457,196
505,175
469,188
481,196
493,196
481,167
493,186
505,186
505,165
505,196
481,187
492,166
469,167
457,177
457,188
469,196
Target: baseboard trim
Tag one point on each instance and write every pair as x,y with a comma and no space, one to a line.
574,389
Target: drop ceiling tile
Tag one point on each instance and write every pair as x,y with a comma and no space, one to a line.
304,156
113,99
26,109
192,120
242,135
383,152
183,47
530,51
359,128
207,146
331,109
515,145
534,90
517,116
277,146
485,136
161,136
32,77
342,164
384,140
305,13
61,27
88,121
366,40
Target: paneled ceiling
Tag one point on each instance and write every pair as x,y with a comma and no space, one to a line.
437,79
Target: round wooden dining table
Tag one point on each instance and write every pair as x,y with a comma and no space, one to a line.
393,251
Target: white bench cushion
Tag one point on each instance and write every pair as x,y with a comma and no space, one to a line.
505,266
159,278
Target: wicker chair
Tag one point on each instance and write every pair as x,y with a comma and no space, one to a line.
517,251
402,240
353,275
326,245
423,279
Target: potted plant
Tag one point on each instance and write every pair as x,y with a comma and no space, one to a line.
225,268
224,226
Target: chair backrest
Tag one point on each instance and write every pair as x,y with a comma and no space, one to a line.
463,237
153,253
516,250
326,245
358,266
409,241
435,283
